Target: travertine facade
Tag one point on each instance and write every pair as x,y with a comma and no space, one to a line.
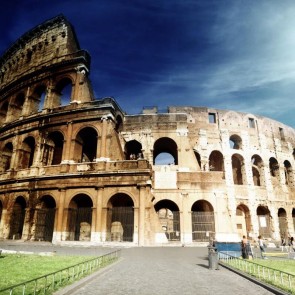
74,168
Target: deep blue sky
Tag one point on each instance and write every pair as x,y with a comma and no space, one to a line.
229,54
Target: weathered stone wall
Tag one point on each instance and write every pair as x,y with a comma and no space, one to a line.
94,167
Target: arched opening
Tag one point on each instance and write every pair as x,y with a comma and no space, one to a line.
44,218
235,142
39,95
237,163
165,152
289,174
274,171
17,218
3,112
216,161
63,92
120,218
264,221
283,225
86,145
27,153
53,148
199,164
133,150
243,220
79,218
203,224
257,170
168,213
6,156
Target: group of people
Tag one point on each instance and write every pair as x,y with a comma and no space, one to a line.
246,248
289,243
136,157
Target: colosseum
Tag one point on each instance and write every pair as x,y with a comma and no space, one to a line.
76,169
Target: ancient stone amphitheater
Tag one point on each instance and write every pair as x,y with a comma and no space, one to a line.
78,169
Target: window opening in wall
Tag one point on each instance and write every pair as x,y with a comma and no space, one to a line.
165,152
251,123
212,118
235,142
282,133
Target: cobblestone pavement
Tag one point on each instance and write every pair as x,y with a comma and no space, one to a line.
164,271
147,271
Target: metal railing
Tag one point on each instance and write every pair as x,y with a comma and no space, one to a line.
49,283
274,277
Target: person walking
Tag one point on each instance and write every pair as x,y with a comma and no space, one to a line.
261,247
244,245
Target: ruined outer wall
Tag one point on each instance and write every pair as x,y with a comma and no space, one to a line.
43,46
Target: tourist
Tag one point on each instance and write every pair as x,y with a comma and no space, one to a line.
261,247
245,254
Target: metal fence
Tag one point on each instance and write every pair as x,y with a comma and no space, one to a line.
49,283
277,278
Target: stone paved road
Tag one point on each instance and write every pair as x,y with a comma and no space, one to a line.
164,271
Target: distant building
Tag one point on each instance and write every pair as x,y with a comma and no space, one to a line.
74,168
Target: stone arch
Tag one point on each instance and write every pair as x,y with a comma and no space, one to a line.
6,156
133,150
165,151
283,224
216,161
26,156
264,221
44,218
238,169
203,223
120,218
86,145
169,217
79,218
274,169
257,170
3,112
63,92
235,142
53,148
243,220
289,174
17,218
198,158
38,98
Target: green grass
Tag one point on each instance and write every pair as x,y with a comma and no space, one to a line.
16,268
59,271
271,273
282,265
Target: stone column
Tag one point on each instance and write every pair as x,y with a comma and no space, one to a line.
59,228
3,224
26,226
98,225
101,149
141,217
67,147
104,214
